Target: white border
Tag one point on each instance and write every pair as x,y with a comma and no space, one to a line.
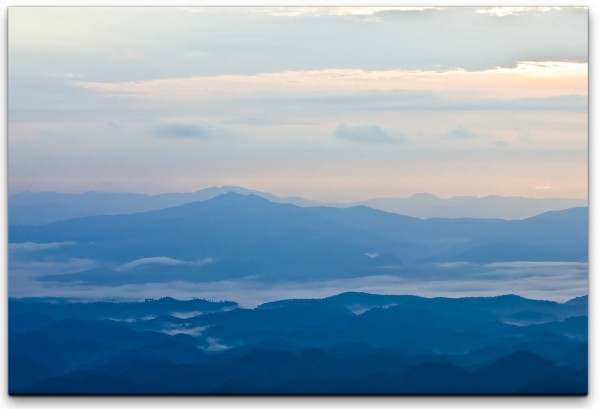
339,402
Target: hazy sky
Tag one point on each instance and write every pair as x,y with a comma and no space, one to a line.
325,103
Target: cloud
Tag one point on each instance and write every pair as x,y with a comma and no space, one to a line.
24,268
501,144
336,11
527,87
414,101
194,331
214,344
461,133
514,11
546,186
368,134
525,80
29,247
166,261
550,281
541,264
561,34
182,130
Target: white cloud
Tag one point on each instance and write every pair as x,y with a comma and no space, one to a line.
23,268
194,331
30,247
527,79
336,11
214,344
166,261
512,11
540,264
368,134
546,186
551,281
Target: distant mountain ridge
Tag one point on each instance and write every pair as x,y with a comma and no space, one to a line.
425,205
234,235
31,208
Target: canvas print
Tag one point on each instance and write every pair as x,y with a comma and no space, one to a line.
298,200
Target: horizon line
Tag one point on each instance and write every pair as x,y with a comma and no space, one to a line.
253,190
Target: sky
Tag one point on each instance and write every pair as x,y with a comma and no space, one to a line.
327,103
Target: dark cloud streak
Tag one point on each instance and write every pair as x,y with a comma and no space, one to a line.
460,133
368,134
400,100
182,130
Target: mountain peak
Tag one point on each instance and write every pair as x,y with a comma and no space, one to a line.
239,197
578,300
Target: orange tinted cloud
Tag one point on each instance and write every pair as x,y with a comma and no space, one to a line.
525,80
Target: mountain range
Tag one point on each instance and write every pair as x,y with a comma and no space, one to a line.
234,235
44,207
351,343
